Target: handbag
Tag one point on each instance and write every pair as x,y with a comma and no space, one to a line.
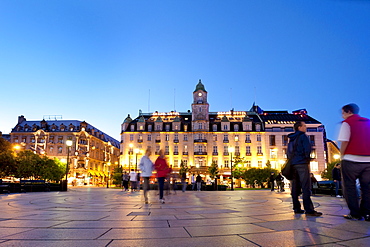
287,170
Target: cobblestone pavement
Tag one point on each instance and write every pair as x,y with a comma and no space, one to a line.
109,217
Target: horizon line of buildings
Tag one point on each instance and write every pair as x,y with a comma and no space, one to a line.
196,138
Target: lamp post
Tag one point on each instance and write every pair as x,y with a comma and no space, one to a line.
231,150
136,152
129,156
69,144
108,168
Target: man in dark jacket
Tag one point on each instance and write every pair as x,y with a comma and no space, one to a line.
337,178
272,181
299,151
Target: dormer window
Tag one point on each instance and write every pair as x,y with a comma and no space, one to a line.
258,127
150,127
214,127
132,128
236,127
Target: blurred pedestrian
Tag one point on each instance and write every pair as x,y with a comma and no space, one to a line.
314,184
199,182
125,179
280,182
299,151
272,181
146,166
193,182
133,177
354,136
183,181
162,171
336,174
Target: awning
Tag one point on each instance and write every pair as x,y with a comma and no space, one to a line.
92,172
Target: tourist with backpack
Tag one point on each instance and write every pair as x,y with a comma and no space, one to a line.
299,151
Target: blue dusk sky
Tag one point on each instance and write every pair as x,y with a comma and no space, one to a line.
101,60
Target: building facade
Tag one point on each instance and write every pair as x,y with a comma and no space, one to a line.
92,156
200,137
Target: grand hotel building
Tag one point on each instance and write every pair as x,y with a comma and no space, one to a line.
198,137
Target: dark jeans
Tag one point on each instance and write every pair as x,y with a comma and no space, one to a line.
337,186
350,172
161,186
302,183
146,188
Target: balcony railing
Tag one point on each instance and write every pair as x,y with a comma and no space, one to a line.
248,141
200,153
200,140
185,153
176,141
260,154
157,141
225,141
226,153
215,153
248,154
140,140
175,153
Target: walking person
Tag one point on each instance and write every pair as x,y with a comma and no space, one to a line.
133,177
146,166
354,136
337,178
272,181
125,179
162,170
193,182
280,182
199,182
183,181
299,150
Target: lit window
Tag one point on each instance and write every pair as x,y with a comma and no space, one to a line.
258,138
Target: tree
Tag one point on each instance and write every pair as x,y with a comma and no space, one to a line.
183,168
27,164
7,161
117,176
327,172
257,176
213,172
51,169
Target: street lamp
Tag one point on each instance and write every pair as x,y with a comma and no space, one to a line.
129,156
136,152
69,144
336,156
231,150
108,165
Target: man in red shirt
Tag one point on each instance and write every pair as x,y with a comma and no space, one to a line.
354,136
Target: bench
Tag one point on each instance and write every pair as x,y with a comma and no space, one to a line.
34,186
4,188
327,188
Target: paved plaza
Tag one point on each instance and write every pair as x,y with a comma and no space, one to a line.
109,217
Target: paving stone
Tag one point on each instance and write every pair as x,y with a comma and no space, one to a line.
109,217
288,238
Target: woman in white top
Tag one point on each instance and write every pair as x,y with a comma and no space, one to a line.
146,167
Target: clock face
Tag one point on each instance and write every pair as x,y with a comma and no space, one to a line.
199,94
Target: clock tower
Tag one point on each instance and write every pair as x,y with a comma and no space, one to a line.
200,109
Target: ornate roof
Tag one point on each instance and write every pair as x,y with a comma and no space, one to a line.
200,86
